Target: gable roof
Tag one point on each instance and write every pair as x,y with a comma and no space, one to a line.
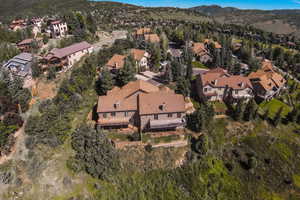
199,48
216,44
61,53
137,54
26,41
267,77
125,97
117,61
161,102
219,77
153,38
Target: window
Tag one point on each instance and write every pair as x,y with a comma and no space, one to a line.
170,115
104,115
236,92
156,117
205,89
113,114
126,114
178,115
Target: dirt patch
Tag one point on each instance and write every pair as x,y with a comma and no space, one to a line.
44,90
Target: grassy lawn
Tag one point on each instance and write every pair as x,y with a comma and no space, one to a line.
197,64
116,136
273,106
219,107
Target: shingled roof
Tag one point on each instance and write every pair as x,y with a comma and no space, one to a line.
219,77
153,38
125,98
137,54
161,102
117,61
64,52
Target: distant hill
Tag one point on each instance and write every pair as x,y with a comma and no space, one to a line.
10,9
277,21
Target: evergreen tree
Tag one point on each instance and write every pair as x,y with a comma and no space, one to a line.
164,41
36,69
104,83
183,86
127,73
293,115
189,70
239,111
176,70
168,73
250,110
277,118
266,115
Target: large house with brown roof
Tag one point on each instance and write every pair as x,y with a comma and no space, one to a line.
218,85
266,82
141,59
201,52
142,105
66,57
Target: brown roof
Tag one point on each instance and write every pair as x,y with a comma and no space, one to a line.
199,48
143,31
137,54
61,53
125,98
220,78
56,22
117,61
267,77
161,102
209,41
153,38
26,41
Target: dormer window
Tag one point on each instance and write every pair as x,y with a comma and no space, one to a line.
162,107
117,105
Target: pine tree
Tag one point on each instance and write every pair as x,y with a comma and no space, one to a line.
36,69
104,83
189,71
293,115
127,73
239,111
266,115
250,110
277,118
183,86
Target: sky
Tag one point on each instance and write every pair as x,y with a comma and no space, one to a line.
242,4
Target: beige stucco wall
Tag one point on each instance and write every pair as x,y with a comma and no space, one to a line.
145,119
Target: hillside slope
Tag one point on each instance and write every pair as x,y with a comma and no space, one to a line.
277,21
